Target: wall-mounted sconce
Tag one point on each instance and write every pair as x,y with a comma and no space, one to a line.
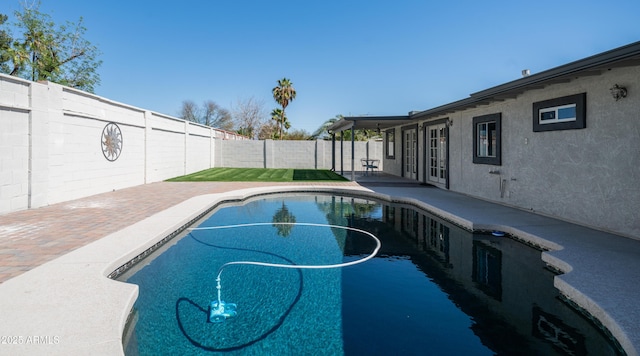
618,92
449,122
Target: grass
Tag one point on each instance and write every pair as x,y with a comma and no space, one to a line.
260,175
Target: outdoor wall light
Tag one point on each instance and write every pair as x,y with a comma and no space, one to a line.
618,92
449,122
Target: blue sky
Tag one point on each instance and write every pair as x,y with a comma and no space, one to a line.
343,57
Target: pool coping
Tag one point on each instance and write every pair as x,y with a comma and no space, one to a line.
69,306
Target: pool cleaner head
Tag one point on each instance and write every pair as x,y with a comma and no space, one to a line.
220,311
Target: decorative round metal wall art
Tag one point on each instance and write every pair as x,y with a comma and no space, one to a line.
111,141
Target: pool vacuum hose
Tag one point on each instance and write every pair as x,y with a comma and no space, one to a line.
219,311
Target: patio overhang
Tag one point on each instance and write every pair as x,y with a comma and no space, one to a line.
352,123
368,123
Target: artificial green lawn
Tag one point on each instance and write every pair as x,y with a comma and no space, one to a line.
260,175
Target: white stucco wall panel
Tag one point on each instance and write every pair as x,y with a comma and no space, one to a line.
586,175
198,152
166,148
89,105
393,165
164,123
80,165
167,154
14,159
44,104
14,92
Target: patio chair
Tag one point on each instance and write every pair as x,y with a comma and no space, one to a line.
365,165
373,165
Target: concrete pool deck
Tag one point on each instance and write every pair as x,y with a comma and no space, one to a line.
55,297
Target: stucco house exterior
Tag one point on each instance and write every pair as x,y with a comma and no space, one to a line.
564,142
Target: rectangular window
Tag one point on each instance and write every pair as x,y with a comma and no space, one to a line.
557,114
565,113
391,144
486,139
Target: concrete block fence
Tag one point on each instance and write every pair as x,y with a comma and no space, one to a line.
59,144
295,154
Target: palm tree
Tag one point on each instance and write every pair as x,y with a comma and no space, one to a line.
283,221
323,131
360,135
277,115
284,93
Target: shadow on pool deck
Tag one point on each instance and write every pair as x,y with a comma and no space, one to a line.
603,269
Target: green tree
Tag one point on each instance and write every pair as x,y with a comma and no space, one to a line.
61,55
5,47
360,135
322,132
298,135
283,94
281,121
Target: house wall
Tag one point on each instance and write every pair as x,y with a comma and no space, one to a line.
588,176
394,165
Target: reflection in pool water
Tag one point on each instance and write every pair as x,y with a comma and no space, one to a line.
433,288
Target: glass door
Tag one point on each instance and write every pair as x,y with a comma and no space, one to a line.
410,146
437,136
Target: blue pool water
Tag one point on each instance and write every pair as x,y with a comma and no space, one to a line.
433,289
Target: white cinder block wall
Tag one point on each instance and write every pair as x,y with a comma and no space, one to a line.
292,154
14,144
51,150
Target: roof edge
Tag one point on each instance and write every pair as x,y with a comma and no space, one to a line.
596,61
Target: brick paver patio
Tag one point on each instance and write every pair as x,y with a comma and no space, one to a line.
30,238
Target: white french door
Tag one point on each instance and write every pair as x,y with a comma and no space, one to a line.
410,138
437,155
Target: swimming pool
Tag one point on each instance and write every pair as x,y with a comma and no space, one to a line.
432,289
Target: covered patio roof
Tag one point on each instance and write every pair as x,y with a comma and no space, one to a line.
368,123
358,123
